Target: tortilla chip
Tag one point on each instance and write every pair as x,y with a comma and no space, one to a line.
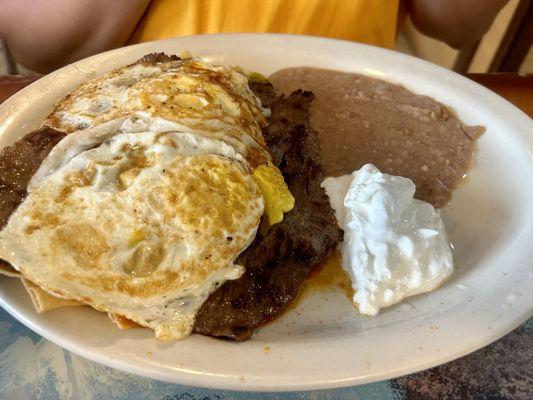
7,270
44,301
122,322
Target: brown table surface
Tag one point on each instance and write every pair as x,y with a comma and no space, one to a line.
503,370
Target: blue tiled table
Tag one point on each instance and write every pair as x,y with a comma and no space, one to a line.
34,368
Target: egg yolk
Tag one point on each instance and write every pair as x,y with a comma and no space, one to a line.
278,198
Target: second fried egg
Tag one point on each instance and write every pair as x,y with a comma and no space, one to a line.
143,224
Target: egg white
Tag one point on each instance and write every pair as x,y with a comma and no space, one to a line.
214,99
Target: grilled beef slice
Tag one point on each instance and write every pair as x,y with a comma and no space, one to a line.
18,163
281,256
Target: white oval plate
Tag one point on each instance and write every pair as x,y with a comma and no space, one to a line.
323,342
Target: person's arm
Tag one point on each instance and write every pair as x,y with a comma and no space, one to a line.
46,34
456,22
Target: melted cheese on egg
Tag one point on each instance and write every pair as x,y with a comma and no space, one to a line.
278,198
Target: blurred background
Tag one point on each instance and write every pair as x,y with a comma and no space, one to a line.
506,47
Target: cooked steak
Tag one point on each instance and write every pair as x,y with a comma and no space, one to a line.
281,256
154,58
18,163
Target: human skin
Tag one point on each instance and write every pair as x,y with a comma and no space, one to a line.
455,22
44,35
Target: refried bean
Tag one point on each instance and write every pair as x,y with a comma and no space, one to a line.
362,120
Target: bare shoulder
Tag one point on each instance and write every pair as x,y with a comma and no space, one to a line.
63,31
456,22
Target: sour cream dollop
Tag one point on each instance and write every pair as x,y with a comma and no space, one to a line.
394,246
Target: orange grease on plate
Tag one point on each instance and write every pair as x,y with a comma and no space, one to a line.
327,277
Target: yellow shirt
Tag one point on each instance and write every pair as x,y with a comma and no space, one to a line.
368,21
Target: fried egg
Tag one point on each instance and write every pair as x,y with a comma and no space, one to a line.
214,100
143,224
144,206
